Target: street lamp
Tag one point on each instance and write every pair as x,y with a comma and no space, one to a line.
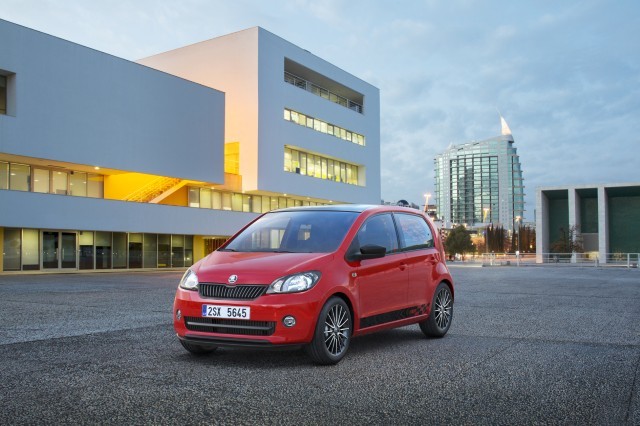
426,203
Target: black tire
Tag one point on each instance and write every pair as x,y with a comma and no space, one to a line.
196,349
333,333
441,314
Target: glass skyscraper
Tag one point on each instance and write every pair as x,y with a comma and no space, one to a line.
479,183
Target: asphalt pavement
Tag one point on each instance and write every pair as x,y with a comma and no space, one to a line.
530,345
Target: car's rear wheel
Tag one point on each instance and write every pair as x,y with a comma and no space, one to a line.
332,334
196,349
441,315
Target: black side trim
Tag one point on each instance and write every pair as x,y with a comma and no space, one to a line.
401,314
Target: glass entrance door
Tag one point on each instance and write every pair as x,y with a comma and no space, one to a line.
59,250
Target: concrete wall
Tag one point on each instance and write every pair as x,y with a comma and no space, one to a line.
230,64
275,132
611,210
50,211
75,104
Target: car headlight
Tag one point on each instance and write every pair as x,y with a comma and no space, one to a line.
294,283
189,280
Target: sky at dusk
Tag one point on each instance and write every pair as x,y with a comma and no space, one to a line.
564,74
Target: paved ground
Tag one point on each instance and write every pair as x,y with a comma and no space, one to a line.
527,345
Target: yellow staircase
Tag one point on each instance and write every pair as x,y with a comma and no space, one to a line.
156,190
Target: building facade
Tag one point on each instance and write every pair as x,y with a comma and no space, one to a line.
111,164
605,218
480,183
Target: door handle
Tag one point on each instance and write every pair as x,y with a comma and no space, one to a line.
402,266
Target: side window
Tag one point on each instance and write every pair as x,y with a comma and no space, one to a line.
379,230
414,232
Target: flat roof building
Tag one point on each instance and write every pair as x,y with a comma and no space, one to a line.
604,216
111,164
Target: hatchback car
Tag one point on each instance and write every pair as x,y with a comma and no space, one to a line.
316,277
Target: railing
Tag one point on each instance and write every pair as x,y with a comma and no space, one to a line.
623,260
322,92
152,189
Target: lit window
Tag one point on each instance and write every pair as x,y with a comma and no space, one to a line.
319,167
323,127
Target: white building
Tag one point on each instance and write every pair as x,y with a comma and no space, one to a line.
603,216
109,164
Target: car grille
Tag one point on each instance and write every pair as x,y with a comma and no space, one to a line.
230,326
238,292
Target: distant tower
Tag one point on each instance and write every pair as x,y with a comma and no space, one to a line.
480,182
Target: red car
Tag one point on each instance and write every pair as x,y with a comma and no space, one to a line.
316,277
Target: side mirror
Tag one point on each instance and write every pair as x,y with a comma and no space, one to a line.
368,251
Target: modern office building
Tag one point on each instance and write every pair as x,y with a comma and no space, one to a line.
111,164
479,183
605,216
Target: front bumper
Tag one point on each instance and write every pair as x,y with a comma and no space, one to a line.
265,328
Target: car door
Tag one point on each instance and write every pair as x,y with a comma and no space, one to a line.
417,243
382,282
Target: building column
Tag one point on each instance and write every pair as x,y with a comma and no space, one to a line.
1,249
542,226
574,215
603,224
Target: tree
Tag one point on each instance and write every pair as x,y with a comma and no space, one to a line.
527,238
458,241
569,241
496,237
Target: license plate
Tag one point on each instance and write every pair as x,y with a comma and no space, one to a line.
235,312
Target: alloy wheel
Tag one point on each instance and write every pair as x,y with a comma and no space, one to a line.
443,307
336,329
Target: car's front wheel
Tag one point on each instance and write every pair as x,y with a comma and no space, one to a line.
441,315
332,334
196,349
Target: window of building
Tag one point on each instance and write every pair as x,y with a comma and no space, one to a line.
3,94
30,249
19,177
86,247
95,185
150,246
11,250
78,184
323,127
103,252
177,251
4,175
307,79
59,183
320,167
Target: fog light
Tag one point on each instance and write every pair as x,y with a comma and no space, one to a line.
289,321
178,314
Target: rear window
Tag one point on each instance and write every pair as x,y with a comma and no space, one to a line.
414,232
294,232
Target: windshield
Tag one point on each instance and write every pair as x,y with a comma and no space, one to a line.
294,232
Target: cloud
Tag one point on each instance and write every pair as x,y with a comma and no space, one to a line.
566,75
